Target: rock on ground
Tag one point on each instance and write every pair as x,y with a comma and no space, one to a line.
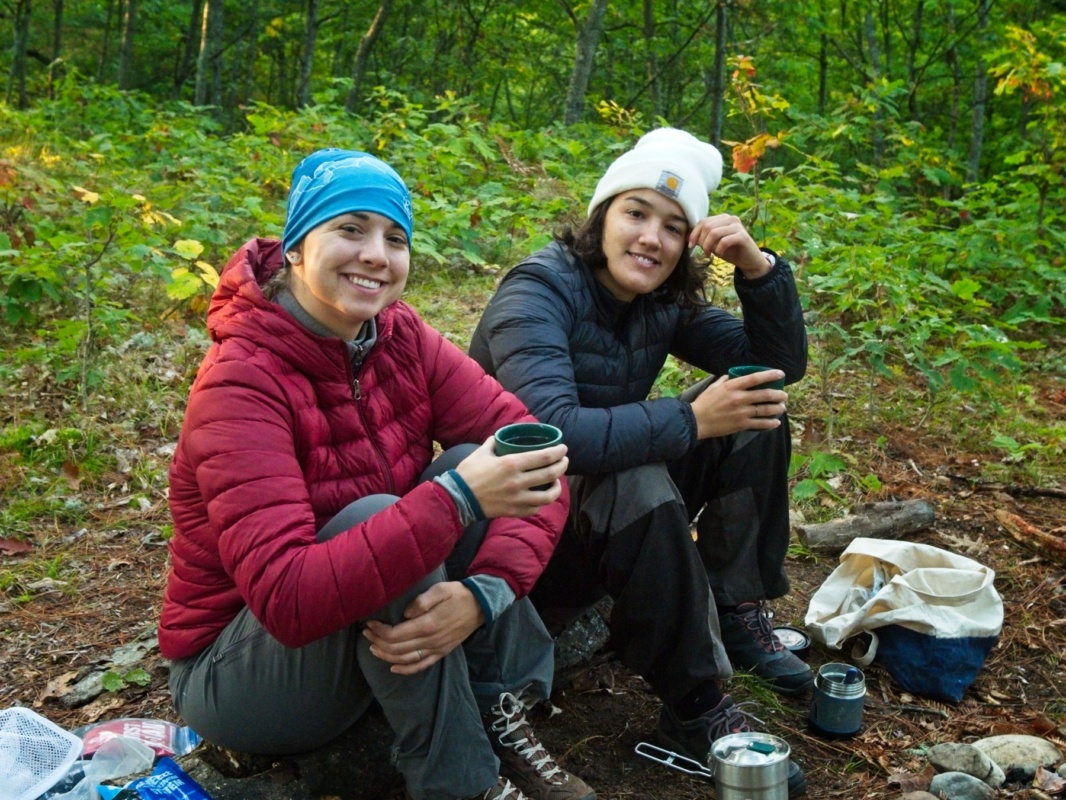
958,757
356,764
960,786
1019,756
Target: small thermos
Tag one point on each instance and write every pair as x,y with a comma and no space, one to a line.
837,700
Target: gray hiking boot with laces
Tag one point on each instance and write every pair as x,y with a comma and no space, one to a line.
524,760
750,642
693,738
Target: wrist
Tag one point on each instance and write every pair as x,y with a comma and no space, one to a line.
760,266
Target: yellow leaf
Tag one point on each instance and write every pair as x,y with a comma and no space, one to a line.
85,195
188,248
208,273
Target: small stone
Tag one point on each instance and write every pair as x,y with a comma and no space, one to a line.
582,638
960,786
1019,756
134,652
958,757
918,796
84,691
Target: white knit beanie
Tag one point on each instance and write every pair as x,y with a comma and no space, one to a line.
670,161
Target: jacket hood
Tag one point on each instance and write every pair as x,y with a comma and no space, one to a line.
239,309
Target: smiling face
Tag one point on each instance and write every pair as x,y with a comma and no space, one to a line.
644,235
349,269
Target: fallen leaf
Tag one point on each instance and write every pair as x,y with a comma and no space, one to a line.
100,707
57,687
46,584
72,473
85,195
1048,781
11,547
965,544
909,782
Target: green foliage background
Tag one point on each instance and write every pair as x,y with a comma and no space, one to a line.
935,303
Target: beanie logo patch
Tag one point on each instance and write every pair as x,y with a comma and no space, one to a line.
669,184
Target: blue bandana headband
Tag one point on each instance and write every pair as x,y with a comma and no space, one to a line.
332,182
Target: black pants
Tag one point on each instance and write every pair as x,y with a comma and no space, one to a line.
629,535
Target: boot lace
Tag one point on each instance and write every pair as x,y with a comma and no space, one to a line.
507,789
759,621
733,719
514,731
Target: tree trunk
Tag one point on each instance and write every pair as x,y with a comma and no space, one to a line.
125,53
588,40
721,25
203,60
362,55
209,64
57,44
469,37
57,29
251,50
951,55
886,39
875,78
980,98
338,61
105,51
912,60
307,56
823,73
187,64
651,64
16,83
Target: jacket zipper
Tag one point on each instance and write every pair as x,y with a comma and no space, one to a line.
357,396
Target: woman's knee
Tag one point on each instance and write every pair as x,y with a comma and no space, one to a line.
618,499
449,459
392,613
355,512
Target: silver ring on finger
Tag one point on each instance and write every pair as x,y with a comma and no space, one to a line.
419,654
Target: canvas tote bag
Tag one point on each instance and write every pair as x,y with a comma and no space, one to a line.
932,616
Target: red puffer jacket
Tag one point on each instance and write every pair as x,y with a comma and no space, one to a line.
274,444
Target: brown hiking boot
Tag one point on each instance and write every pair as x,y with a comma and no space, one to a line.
503,789
525,760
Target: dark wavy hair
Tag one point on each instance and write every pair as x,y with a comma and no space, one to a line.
685,286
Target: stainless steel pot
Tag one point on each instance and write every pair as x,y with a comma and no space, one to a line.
750,766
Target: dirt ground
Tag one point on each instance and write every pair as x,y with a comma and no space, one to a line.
47,644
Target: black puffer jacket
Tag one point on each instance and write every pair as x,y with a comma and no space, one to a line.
584,361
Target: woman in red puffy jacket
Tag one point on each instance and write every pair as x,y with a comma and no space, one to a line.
321,557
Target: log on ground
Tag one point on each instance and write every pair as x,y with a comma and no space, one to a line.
886,520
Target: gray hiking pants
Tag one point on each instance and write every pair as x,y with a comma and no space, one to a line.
249,693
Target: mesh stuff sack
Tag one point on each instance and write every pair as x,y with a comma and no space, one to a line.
35,753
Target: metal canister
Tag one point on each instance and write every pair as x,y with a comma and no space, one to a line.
837,700
750,766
